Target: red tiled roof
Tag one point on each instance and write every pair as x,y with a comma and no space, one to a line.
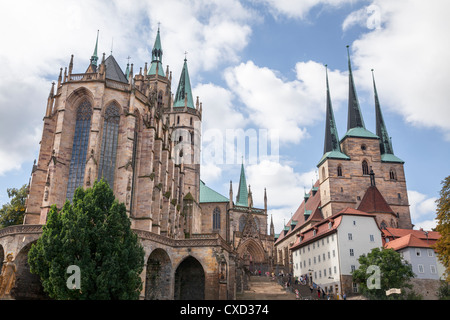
312,204
373,201
409,240
394,233
322,228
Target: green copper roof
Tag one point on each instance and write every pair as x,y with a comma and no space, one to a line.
157,54
242,195
361,133
184,89
333,155
391,158
209,195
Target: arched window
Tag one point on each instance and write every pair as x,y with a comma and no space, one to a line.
109,144
216,218
392,175
339,171
242,223
79,148
365,167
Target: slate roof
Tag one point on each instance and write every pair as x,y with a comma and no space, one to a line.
113,70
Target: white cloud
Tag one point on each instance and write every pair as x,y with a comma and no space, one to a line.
422,209
213,32
285,188
285,106
409,55
299,9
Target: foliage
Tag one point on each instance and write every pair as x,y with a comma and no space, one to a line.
442,246
444,291
394,273
94,233
13,212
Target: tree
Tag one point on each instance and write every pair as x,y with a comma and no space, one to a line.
94,234
442,246
13,212
393,273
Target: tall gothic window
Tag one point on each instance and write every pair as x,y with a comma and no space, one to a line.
109,144
339,171
79,148
134,156
216,218
365,167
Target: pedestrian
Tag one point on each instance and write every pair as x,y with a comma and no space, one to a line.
344,296
318,293
311,288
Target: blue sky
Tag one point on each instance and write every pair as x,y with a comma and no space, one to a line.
255,64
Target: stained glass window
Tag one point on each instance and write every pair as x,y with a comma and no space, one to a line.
79,148
109,144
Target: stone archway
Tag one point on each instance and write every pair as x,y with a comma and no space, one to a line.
253,255
2,256
157,280
189,280
28,285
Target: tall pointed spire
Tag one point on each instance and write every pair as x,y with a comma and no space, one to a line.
183,96
157,53
332,148
94,57
242,195
386,150
355,118
331,135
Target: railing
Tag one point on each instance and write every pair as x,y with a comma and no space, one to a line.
83,76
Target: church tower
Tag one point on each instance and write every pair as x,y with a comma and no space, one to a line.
361,159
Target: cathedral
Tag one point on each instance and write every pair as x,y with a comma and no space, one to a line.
358,171
130,129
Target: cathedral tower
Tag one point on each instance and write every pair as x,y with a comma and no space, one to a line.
360,160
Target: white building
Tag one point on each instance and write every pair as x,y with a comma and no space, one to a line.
329,251
415,246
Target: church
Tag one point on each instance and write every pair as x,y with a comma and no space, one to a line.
130,129
357,173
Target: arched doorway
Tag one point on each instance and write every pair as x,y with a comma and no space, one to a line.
157,280
252,254
2,257
189,280
28,285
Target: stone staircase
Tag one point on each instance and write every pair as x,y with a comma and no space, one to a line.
264,288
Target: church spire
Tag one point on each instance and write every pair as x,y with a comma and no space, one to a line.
183,96
385,142
386,150
242,195
157,53
332,147
94,57
331,135
355,118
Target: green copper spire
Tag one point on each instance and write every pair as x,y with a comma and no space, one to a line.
157,54
94,57
355,118
332,148
386,150
184,91
242,195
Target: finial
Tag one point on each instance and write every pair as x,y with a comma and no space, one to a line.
185,55
112,42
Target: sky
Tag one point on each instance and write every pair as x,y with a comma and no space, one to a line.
258,67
